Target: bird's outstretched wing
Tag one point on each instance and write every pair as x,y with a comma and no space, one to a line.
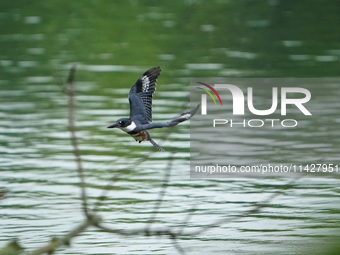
141,94
183,117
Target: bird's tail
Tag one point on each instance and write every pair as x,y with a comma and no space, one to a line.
184,116
153,142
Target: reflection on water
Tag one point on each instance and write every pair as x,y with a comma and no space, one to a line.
114,43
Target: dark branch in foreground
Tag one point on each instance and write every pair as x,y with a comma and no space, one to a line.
74,141
96,221
161,194
65,240
91,220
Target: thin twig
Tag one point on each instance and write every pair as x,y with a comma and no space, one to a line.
90,219
65,240
69,88
161,194
60,82
168,232
102,197
186,220
74,141
147,231
136,232
177,246
254,210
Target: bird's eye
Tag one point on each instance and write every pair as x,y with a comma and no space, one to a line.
120,122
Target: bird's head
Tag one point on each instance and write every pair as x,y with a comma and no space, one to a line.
121,123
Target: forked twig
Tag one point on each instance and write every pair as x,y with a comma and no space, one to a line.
161,194
94,220
90,219
254,210
72,128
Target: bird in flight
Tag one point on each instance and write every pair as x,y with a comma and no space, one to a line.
140,120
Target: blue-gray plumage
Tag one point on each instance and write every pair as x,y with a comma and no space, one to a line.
140,99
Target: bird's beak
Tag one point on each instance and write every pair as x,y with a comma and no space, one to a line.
113,125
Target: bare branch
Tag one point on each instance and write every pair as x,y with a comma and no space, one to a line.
167,173
137,232
254,210
147,231
74,141
12,248
186,220
65,240
177,246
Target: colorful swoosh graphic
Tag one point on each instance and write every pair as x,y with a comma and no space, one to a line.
208,94
213,90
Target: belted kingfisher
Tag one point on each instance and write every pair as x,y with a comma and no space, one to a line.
140,99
